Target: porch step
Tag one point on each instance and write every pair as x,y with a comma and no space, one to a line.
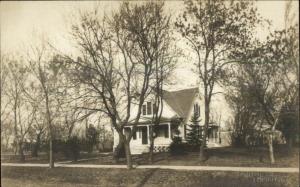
139,149
213,144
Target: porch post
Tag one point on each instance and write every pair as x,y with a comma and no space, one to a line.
148,132
169,128
131,130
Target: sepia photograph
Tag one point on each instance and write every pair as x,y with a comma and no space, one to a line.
149,93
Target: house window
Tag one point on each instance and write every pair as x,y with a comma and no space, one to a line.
162,131
144,109
134,135
166,131
154,108
197,109
140,133
144,135
149,107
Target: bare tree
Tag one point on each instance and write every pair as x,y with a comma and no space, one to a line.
38,130
165,56
117,63
21,110
69,101
45,68
214,29
3,82
5,120
105,133
34,95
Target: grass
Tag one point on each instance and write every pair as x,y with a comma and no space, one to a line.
238,157
43,158
225,156
65,177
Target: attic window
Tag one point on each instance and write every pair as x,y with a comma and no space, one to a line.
144,110
147,109
154,108
197,109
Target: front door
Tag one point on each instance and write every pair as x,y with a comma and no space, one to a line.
144,135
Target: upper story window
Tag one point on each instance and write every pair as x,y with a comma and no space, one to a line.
147,108
144,110
154,108
197,109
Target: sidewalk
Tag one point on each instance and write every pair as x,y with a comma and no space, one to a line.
194,168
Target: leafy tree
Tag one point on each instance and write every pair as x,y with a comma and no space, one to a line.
214,30
193,136
246,110
177,147
289,124
269,69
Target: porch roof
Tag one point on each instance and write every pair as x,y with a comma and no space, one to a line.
148,120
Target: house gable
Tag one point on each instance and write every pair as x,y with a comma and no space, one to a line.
196,100
182,101
176,104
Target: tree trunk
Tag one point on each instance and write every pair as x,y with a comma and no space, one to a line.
118,150
202,155
51,159
21,152
6,143
151,146
128,155
289,141
36,146
271,151
15,149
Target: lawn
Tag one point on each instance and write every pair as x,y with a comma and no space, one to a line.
225,156
67,177
43,157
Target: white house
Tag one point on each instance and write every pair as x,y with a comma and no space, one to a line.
178,108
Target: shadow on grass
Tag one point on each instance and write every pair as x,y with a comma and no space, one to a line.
146,177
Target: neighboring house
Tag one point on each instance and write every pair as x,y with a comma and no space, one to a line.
178,108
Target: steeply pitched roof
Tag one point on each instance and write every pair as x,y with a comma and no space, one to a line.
180,101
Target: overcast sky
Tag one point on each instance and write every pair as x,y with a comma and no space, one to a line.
22,21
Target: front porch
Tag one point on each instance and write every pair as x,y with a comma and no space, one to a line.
213,139
140,141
